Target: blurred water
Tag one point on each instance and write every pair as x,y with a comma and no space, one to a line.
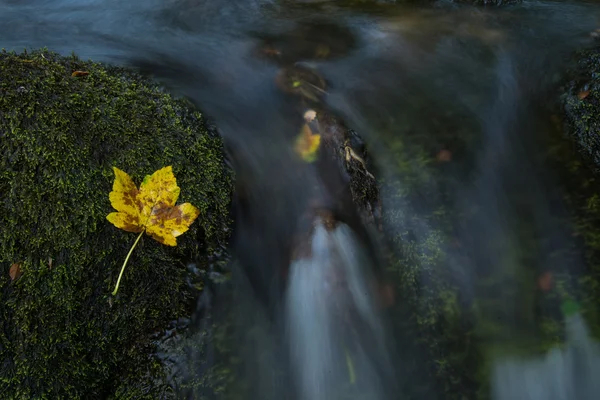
412,81
566,373
328,353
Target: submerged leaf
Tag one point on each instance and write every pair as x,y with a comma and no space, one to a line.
307,144
545,281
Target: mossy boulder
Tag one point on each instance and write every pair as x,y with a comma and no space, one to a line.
455,311
432,325
488,2
581,104
581,125
62,334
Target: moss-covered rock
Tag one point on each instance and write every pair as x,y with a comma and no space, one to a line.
61,333
581,102
488,2
456,308
581,123
434,334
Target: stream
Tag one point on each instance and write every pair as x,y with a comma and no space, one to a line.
454,105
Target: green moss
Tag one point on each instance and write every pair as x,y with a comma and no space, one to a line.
62,335
456,312
581,102
581,123
488,2
432,330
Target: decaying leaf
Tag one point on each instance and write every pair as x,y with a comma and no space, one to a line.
322,51
545,281
15,271
79,73
307,144
444,155
150,209
583,94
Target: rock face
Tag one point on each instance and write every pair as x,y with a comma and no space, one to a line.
61,333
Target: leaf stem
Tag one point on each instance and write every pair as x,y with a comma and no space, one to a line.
114,293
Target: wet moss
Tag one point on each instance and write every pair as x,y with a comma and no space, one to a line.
456,309
431,328
488,2
581,104
61,333
581,123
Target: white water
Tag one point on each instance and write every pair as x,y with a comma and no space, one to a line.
569,373
321,331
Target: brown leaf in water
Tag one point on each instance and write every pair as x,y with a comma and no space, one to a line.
15,271
583,94
545,281
271,51
444,156
387,295
79,73
307,144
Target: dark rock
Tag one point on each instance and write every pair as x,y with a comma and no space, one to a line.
61,333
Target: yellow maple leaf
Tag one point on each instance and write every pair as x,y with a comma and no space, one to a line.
307,144
150,209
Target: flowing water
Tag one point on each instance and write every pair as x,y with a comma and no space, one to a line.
327,352
472,86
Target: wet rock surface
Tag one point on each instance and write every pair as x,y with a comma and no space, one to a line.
61,333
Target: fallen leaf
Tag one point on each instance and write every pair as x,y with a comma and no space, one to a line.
307,144
79,73
271,51
151,208
386,294
444,156
15,271
583,94
545,281
322,51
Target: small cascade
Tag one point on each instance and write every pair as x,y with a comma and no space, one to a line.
335,334
570,372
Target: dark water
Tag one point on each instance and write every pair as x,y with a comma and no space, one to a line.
412,82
